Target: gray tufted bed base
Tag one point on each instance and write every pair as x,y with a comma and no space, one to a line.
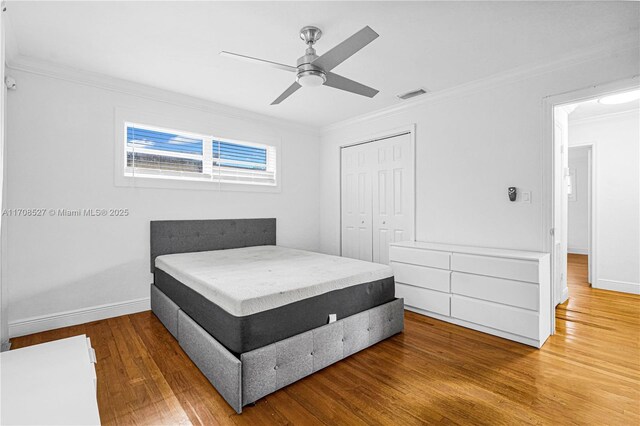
263,371
245,379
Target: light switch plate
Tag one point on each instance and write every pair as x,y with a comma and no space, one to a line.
526,197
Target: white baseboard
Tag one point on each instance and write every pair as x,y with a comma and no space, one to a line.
623,286
578,250
37,324
565,295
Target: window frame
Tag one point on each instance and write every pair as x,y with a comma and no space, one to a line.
174,180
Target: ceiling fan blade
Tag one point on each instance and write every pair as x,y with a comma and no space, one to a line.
259,61
346,49
342,83
295,86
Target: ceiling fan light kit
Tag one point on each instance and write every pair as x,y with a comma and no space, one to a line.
313,70
311,78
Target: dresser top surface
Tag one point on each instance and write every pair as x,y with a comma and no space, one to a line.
49,383
480,251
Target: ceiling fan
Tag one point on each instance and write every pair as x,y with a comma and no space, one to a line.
313,70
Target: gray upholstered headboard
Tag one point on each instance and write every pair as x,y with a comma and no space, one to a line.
186,236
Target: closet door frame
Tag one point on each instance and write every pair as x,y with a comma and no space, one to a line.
411,130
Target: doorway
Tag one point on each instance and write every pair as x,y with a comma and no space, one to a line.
581,204
600,121
377,192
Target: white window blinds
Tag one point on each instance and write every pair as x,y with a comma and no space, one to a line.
170,154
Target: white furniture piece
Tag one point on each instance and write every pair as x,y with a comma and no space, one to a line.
52,383
501,292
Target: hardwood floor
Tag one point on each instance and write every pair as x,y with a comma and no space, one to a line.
433,373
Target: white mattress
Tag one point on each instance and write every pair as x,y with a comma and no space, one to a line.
248,280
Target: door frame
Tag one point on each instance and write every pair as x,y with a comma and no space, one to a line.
561,287
592,221
548,157
385,134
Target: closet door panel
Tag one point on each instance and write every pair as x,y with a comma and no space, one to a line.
356,194
382,203
393,194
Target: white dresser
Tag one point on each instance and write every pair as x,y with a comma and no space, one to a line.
501,292
51,383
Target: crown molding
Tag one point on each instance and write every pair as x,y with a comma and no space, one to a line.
607,49
101,81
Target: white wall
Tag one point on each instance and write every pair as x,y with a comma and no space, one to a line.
579,204
617,169
471,145
60,153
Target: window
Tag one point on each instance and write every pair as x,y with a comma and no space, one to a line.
153,152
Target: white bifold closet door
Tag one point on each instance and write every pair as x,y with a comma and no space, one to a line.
377,189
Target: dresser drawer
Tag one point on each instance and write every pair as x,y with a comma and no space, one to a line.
432,258
521,270
501,317
421,298
421,276
500,290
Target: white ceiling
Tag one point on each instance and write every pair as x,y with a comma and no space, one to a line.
436,45
593,108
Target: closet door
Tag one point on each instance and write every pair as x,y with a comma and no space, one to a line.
393,194
356,202
377,197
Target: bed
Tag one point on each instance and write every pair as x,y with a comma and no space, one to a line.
255,317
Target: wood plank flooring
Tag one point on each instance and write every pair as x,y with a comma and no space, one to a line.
433,373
